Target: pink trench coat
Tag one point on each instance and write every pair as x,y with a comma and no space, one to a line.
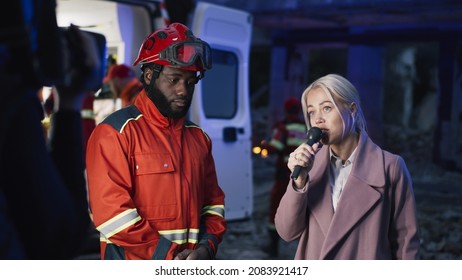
375,217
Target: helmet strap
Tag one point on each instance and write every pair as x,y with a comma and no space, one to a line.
156,69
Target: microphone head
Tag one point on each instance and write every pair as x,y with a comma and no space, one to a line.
314,135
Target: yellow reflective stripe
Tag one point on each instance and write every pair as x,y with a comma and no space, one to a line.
127,121
277,144
218,210
179,236
87,114
119,222
295,141
103,238
195,126
193,235
299,127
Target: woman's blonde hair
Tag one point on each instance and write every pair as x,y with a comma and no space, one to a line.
342,93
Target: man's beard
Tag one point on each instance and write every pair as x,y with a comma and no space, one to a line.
163,104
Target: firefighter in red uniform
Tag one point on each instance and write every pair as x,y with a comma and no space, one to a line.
123,83
287,135
153,189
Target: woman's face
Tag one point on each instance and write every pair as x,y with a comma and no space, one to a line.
322,113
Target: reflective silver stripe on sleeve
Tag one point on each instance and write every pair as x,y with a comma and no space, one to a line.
177,236
180,236
119,222
218,210
193,235
87,114
299,127
277,144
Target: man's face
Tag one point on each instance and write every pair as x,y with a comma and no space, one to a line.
173,91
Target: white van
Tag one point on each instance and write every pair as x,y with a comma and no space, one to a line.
221,104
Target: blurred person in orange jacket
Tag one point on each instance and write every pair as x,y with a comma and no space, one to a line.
287,135
153,188
123,83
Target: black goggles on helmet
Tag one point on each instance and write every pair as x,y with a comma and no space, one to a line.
187,53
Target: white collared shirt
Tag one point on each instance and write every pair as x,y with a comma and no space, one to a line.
338,175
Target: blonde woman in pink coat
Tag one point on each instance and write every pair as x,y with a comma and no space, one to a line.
351,200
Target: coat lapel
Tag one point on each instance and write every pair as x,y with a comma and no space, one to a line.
319,197
320,205
359,194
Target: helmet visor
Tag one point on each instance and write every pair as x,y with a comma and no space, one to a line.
186,54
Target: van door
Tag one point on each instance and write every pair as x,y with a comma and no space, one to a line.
221,104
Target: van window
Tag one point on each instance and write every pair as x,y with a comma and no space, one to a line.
220,86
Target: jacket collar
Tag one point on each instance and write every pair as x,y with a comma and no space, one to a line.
369,165
153,115
368,155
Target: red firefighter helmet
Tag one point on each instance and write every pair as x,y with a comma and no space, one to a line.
175,45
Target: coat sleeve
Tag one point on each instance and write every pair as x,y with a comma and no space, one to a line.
109,186
213,223
404,233
290,219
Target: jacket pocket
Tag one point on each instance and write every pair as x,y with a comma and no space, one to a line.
153,163
155,194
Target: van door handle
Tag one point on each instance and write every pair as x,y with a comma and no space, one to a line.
230,133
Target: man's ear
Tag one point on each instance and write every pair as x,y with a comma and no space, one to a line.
147,75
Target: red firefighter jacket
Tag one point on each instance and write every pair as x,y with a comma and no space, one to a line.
153,189
286,136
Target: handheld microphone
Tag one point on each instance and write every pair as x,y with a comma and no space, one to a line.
314,135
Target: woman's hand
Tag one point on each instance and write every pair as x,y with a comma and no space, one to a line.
304,156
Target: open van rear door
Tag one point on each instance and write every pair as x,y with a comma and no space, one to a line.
221,102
